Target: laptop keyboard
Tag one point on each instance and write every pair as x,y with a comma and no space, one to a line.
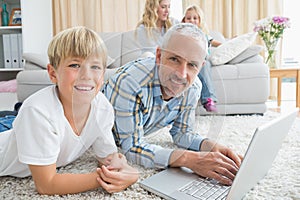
205,189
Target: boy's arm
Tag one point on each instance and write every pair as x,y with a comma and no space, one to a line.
47,181
117,176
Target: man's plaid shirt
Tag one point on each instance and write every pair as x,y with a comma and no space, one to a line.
135,93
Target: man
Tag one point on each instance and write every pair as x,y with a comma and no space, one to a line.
152,93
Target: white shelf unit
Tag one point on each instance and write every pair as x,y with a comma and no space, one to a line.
10,69
8,73
8,29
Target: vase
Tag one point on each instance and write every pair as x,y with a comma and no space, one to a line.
273,60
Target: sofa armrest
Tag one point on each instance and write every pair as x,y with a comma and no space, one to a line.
30,81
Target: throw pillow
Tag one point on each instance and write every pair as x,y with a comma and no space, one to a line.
232,48
8,86
248,53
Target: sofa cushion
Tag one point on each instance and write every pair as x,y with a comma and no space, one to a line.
131,48
231,48
241,83
251,51
112,41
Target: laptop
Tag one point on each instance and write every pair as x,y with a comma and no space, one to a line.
179,183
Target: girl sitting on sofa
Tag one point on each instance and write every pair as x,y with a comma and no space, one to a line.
195,15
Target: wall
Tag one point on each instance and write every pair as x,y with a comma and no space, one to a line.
36,25
290,52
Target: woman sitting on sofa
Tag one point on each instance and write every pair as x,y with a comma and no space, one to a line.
154,24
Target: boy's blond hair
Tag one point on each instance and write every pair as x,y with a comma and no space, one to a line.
76,42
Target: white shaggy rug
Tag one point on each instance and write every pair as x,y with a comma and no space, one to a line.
282,181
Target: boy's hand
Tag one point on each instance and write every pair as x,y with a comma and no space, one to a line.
118,175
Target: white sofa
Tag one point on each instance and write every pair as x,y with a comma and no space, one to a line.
241,88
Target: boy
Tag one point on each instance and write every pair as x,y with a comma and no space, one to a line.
59,123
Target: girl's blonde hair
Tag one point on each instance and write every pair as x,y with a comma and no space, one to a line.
150,17
78,42
200,13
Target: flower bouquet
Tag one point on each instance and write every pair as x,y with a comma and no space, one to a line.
271,29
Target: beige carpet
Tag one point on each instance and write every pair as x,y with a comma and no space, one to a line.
282,181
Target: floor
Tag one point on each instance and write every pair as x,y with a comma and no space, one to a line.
8,100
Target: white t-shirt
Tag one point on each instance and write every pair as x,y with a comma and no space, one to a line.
41,134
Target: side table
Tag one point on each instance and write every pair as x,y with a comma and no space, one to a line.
286,73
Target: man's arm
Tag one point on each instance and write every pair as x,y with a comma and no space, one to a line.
206,164
203,156
209,160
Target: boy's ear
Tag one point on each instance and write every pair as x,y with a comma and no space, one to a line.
52,73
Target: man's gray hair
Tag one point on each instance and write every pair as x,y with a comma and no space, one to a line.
186,29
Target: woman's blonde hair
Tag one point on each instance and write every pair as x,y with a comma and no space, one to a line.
150,17
78,42
200,13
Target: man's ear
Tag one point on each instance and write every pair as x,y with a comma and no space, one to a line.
52,73
158,56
